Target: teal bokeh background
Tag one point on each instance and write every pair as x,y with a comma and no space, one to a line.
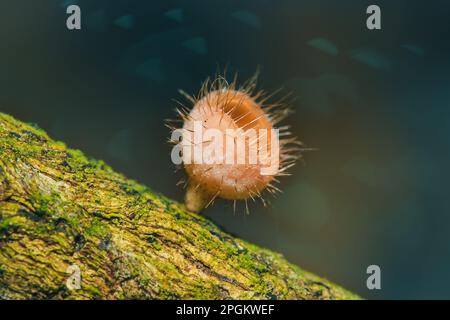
375,104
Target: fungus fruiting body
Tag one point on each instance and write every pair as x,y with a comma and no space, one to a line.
229,144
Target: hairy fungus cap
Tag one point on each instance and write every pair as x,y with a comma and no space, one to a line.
231,148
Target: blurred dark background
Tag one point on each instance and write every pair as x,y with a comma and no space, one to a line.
376,104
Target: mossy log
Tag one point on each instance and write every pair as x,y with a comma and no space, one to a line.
58,209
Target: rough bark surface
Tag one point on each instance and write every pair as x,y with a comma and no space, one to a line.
58,208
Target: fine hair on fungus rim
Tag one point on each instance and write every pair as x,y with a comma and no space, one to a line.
230,144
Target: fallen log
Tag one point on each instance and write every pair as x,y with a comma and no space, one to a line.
63,215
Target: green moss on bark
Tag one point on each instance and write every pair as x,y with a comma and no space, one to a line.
59,208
